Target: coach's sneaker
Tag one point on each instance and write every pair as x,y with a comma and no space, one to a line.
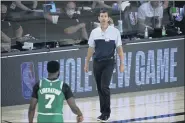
99,118
105,118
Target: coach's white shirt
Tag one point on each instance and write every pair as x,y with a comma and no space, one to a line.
104,43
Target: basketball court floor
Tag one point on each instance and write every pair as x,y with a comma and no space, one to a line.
164,105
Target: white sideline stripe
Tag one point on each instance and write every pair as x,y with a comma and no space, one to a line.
49,113
148,42
39,53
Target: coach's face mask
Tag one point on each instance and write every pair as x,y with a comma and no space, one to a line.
70,12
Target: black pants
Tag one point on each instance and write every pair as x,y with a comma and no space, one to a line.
103,72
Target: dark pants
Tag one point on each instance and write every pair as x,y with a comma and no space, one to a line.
103,72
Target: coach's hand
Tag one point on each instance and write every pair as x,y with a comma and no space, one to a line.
86,68
79,119
121,68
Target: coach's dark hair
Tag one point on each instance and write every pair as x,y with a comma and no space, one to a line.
53,66
103,11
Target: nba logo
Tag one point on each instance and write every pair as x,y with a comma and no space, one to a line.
28,79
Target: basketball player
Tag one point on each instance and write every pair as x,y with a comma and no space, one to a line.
50,94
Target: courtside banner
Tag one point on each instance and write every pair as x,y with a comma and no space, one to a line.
149,65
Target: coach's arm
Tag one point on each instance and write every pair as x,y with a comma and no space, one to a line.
90,51
119,48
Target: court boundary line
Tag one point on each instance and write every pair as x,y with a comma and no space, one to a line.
140,119
150,117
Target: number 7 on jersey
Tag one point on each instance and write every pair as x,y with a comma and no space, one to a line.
51,99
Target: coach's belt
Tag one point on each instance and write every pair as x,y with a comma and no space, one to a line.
104,59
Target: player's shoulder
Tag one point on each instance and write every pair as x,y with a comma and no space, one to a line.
65,86
37,84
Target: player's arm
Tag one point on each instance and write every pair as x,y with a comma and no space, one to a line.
31,111
70,100
75,109
33,103
72,104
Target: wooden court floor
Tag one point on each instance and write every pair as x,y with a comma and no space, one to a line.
164,105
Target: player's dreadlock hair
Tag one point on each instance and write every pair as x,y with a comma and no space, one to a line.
53,67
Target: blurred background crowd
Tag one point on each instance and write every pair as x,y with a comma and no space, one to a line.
32,25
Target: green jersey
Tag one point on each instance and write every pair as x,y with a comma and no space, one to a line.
50,101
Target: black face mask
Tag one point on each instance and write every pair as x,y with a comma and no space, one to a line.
3,16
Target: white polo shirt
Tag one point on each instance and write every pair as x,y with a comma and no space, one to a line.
104,43
146,10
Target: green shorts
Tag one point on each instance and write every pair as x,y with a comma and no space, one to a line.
50,118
